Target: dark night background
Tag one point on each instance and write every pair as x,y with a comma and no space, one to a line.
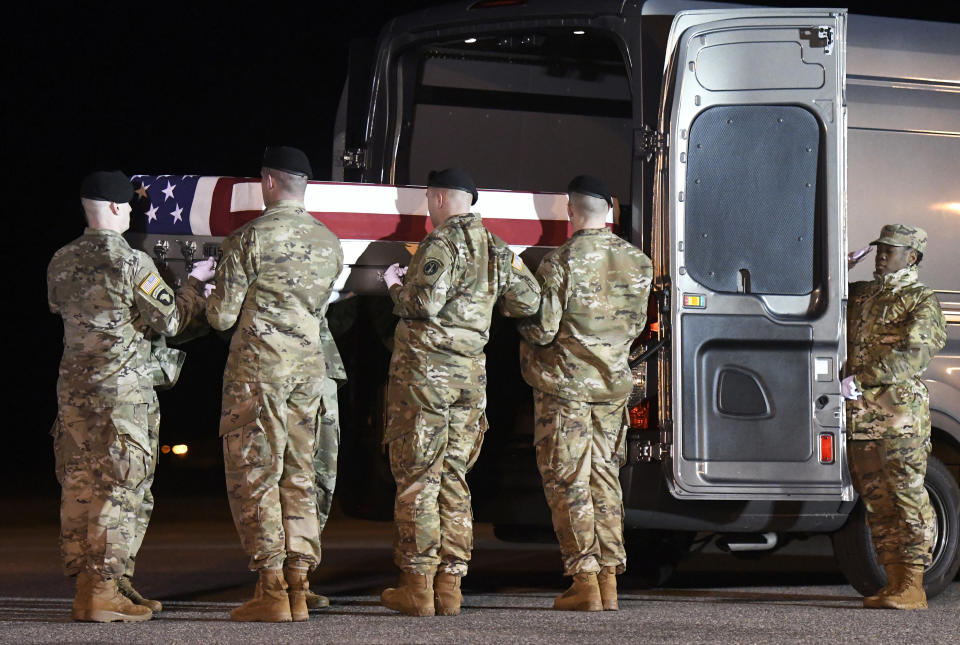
158,87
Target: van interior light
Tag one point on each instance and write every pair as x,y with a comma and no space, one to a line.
470,41
950,207
579,32
179,449
164,449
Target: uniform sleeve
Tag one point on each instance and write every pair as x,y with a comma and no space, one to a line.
166,311
925,335
235,273
542,327
521,297
429,278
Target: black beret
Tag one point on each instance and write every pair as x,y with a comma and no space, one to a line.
107,186
287,159
453,178
592,186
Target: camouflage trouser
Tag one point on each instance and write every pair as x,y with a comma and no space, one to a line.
325,457
269,435
105,474
580,448
439,433
888,474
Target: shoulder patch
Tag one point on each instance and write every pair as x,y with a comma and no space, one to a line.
517,262
149,284
164,297
431,267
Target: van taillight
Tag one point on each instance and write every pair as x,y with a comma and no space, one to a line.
826,448
640,415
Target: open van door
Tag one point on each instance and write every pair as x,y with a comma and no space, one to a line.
751,250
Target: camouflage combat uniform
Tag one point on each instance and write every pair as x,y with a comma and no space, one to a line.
594,304
437,390
894,328
328,441
274,281
112,301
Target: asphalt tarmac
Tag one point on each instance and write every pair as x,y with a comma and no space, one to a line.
192,561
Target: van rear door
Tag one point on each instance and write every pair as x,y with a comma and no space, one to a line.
751,250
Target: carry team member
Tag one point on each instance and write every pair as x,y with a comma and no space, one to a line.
112,301
593,305
274,282
437,388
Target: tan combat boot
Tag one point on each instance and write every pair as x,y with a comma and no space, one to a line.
295,576
909,594
125,587
446,594
413,595
583,594
894,574
81,601
269,604
607,581
103,603
315,600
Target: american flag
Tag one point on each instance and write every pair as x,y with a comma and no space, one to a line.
215,206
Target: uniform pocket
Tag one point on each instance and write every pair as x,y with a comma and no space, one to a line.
130,420
125,463
247,447
242,407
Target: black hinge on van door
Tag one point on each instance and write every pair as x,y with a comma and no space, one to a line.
353,158
819,37
646,451
647,142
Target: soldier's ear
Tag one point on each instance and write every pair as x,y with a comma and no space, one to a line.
914,257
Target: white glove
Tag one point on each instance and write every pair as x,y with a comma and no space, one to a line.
853,257
849,389
394,274
208,289
204,270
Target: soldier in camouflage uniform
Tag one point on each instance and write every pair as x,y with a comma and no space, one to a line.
112,301
437,390
894,328
595,289
328,440
274,281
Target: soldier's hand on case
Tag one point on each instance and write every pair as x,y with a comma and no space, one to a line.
394,274
853,257
208,289
204,270
849,389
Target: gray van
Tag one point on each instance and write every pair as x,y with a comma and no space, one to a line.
750,148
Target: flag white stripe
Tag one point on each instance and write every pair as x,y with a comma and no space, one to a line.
200,209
